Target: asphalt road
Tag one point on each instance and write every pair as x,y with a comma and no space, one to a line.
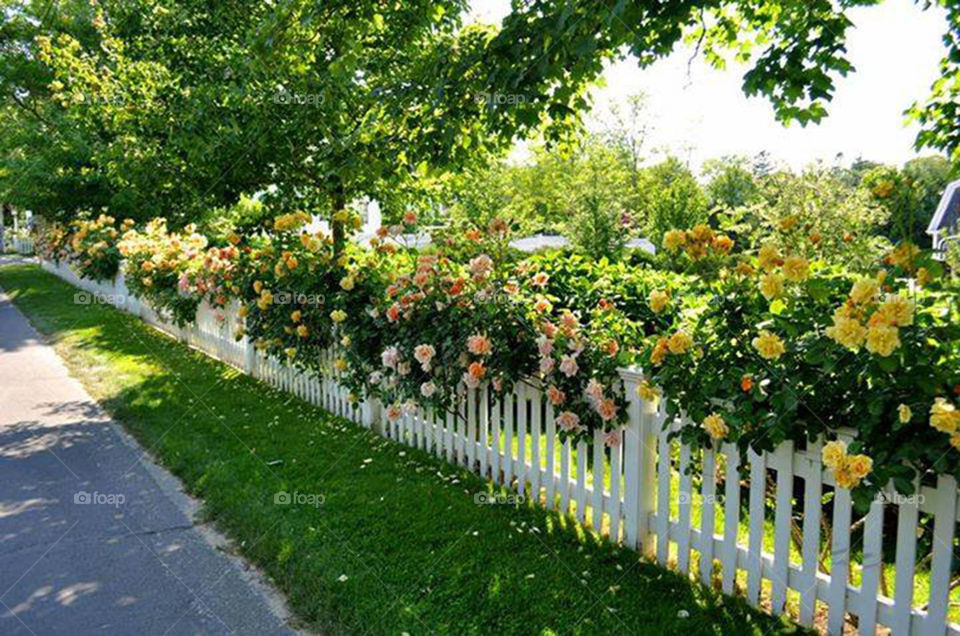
94,538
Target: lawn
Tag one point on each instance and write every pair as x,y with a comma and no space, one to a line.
398,543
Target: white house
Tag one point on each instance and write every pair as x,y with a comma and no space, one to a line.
945,224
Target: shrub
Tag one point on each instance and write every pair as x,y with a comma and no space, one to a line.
92,248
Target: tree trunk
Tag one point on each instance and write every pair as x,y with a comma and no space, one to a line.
338,226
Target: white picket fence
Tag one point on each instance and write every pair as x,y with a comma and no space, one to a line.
21,245
627,491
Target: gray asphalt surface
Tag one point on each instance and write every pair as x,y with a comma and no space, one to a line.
93,537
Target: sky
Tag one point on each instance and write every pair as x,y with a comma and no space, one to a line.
696,115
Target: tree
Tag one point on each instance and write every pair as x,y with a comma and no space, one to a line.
176,107
939,114
909,195
671,198
730,182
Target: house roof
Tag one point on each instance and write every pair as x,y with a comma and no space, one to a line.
948,211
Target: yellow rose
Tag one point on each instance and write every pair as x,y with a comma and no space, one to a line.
904,255
834,453
303,331
290,351
845,477
955,440
660,350
243,311
859,465
338,315
345,341
904,413
882,339
896,310
744,269
295,316
340,364
674,239
715,426
796,269
864,290
768,257
679,343
944,417
768,345
787,223
648,392
771,286
347,283
847,332
658,300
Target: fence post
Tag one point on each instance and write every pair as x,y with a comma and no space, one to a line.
639,464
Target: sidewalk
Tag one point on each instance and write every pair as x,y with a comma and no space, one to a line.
93,537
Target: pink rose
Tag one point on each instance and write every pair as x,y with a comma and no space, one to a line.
568,421
546,366
568,366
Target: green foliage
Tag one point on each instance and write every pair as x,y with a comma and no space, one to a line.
670,197
731,183
909,195
939,113
841,219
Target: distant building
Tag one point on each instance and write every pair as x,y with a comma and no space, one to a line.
945,223
555,241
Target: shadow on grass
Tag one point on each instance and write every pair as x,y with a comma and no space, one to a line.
378,537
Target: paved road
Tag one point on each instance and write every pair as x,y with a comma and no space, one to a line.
136,566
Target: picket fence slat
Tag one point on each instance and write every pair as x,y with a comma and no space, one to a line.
663,499
839,561
872,563
597,502
758,477
782,516
686,504
616,454
625,484
731,517
508,438
707,519
581,481
535,421
812,509
551,456
565,476
944,526
906,558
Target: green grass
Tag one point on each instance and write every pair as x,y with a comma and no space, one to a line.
398,544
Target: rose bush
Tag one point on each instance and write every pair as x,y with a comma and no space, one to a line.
756,344
176,271
89,246
776,344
